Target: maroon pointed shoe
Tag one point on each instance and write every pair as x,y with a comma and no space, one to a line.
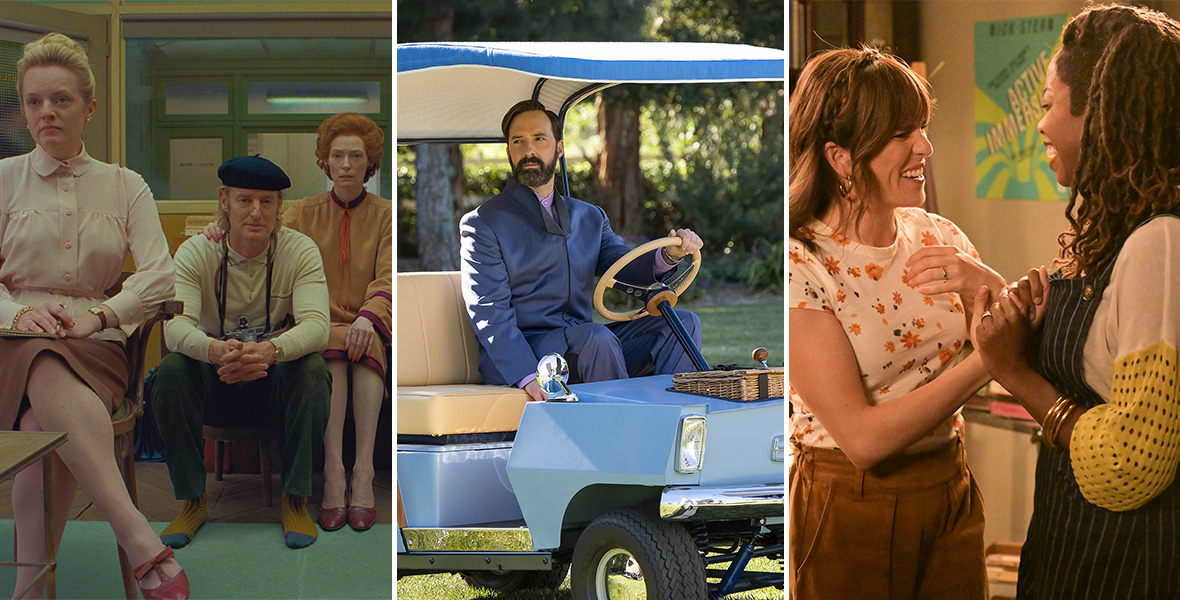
361,518
332,519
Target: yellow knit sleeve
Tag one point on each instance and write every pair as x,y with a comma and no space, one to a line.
1125,453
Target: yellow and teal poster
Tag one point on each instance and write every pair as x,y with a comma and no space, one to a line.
1010,61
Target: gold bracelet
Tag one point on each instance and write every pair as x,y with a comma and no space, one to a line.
1054,418
1049,426
20,313
1064,416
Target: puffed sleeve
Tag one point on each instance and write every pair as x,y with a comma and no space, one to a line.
1125,452
154,278
8,306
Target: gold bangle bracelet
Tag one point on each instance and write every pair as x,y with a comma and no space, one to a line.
1053,422
1061,422
20,313
1053,419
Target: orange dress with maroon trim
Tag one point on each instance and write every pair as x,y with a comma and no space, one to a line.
355,239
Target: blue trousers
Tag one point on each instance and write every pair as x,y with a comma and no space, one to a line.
620,350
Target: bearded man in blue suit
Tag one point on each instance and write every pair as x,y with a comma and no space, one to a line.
530,257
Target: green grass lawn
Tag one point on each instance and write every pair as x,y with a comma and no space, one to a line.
452,587
730,332
731,328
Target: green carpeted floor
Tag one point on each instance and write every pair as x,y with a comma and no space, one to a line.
229,561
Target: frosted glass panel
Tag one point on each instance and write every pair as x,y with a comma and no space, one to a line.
313,97
194,163
196,98
295,154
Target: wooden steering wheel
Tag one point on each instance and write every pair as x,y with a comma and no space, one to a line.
670,291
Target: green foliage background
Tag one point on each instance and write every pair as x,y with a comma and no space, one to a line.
713,154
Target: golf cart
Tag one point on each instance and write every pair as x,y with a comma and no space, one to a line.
612,479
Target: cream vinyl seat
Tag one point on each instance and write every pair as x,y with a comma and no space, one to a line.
439,389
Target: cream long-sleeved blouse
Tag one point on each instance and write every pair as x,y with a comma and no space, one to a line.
1127,451
65,230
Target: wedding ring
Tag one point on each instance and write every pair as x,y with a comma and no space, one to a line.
986,314
944,274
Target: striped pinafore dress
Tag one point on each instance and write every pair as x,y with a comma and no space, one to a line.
1076,550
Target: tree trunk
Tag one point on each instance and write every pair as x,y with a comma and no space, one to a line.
438,243
617,171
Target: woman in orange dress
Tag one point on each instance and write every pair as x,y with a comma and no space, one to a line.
354,230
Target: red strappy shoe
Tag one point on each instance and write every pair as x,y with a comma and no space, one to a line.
170,588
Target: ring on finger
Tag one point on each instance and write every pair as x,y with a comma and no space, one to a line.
944,274
986,314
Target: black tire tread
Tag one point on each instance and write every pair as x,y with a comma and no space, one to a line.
673,566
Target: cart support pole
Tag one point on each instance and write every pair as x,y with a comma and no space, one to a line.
690,347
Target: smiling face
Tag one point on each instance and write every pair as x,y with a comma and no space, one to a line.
55,110
347,163
1061,129
252,215
900,169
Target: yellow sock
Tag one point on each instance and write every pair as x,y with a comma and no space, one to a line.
181,530
299,530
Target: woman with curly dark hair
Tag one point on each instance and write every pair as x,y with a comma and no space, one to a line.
1103,376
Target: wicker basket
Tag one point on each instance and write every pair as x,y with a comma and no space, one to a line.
742,384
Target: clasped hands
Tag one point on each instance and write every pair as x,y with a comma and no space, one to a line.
50,317
240,361
1001,329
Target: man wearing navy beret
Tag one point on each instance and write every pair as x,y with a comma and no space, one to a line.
246,351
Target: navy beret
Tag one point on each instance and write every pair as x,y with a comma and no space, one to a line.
253,173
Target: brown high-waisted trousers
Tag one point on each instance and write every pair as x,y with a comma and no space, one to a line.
911,527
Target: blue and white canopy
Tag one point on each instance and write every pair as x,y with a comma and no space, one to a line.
459,92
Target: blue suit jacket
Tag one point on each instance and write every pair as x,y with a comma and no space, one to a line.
524,275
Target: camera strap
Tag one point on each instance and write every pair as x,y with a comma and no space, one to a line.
223,281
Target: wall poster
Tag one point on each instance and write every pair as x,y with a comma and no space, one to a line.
1011,56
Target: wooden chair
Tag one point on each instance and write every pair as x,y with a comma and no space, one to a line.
131,409
263,436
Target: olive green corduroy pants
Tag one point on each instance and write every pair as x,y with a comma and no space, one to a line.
187,394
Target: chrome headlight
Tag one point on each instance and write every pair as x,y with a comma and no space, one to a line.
690,453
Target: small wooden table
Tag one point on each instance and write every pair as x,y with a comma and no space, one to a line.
18,451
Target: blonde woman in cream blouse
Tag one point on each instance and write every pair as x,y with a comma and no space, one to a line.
66,223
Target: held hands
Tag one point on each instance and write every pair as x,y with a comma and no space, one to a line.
941,269
241,361
359,338
53,318
1000,332
689,243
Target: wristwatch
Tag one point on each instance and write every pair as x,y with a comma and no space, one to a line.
279,354
102,316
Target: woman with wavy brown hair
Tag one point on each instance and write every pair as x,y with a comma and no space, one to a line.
877,332
1103,376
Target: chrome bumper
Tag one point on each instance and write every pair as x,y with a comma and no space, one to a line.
721,503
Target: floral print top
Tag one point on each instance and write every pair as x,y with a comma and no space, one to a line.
902,339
